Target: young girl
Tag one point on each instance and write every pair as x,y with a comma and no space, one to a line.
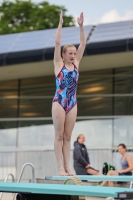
64,107
126,164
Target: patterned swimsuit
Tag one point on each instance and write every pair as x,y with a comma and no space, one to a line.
66,87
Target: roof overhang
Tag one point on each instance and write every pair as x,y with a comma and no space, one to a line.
46,68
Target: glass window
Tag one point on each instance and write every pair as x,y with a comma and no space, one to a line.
98,132
8,136
94,97
124,84
35,107
7,164
93,83
9,89
124,71
95,106
8,124
42,86
123,131
123,105
124,80
8,108
30,122
8,99
34,135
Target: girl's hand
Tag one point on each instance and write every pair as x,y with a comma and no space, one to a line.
80,19
120,171
61,17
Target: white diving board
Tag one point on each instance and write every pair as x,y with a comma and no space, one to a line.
94,178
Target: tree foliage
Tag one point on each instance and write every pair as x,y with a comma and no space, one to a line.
23,16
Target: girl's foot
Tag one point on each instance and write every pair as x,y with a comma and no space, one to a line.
70,173
62,172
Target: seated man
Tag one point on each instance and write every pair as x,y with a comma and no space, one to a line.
81,158
126,163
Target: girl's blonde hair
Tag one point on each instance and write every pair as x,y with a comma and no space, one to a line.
66,46
79,136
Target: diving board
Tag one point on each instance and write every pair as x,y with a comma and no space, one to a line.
94,178
31,191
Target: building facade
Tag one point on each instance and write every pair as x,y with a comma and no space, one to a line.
104,94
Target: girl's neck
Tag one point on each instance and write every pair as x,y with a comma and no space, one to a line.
123,155
68,64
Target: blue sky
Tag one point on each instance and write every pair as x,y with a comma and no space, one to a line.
97,11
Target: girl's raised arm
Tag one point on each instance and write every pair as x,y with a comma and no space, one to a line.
82,45
57,52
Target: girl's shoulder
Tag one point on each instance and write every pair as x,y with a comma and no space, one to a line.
128,157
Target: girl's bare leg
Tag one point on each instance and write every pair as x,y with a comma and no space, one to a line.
68,128
58,115
110,183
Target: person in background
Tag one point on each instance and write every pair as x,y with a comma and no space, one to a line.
81,158
126,164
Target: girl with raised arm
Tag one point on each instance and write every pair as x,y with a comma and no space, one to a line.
64,107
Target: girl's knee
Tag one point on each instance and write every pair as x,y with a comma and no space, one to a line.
59,136
110,172
67,137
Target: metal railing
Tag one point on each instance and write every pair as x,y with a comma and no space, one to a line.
22,170
6,181
21,173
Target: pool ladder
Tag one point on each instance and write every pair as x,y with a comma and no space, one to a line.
1,194
20,176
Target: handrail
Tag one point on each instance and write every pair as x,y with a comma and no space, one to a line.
6,181
21,173
22,170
